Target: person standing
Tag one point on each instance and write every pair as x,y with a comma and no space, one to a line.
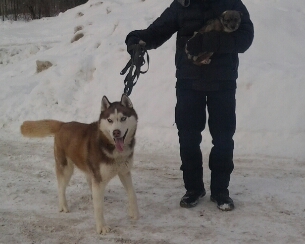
201,90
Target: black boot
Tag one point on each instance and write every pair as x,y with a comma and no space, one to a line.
191,198
224,202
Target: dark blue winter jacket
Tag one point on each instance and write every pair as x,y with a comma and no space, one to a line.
184,17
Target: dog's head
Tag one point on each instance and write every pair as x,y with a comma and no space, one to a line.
230,20
118,122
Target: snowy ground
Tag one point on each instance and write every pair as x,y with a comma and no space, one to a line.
28,214
267,184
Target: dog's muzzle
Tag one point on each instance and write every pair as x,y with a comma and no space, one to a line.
119,141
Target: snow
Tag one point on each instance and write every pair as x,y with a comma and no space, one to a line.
267,184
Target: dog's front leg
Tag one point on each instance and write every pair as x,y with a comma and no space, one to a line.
98,192
126,180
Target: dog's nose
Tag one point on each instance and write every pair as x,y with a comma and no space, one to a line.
116,133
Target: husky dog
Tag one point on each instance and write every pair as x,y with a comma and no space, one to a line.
229,21
101,150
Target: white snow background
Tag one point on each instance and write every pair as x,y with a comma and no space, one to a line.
267,184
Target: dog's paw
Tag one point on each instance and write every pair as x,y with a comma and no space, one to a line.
134,214
103,229
206,61
63,209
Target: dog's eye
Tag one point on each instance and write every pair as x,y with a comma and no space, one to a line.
110,121
123,118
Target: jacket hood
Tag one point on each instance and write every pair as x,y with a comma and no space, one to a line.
184,3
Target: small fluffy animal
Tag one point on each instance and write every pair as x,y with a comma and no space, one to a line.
229,21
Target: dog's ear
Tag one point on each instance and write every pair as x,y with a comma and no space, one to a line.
223,14
125,101
105,103
221,17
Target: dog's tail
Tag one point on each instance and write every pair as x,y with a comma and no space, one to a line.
40,128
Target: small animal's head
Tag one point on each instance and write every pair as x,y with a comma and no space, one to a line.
118,121
230,20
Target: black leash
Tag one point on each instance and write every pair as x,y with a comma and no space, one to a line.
137,60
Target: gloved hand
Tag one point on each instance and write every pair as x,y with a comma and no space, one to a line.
132,41
200,43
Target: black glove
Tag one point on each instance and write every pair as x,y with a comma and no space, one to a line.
200,43
131,42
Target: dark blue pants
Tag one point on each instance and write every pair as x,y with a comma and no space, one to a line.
190,118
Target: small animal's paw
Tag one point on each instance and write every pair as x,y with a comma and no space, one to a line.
206,61
103,229
193,58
